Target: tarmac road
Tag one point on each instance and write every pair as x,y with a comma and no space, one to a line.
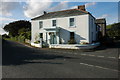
20,61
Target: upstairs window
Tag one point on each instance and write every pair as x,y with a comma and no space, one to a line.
53,22
40,24
72,22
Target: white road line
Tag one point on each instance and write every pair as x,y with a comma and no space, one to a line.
101,56
87,64
98,67
112,57
91,55
101,67
83,54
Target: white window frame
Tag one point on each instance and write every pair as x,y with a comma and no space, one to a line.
52,22
74,22
39,24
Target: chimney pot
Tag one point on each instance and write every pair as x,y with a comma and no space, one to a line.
82,7
45,12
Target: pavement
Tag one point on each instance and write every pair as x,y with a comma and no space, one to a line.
22,61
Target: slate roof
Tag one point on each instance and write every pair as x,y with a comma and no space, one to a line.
63,13
102,20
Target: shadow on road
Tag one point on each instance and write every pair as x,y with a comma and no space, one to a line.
17,54
116,44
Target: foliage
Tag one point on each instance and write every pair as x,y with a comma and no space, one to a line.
5,36
14,27
26,33
0,36
21,38
37,42
18,31
108,26
114,31
36,37
82,42
72,41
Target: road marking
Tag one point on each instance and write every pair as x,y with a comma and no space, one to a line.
91,55
98,67
101,67
100,56
88,55
83,54
87,64
112,57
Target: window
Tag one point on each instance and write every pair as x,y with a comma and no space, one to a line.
40,24
41,35
72,22
72,35
53,22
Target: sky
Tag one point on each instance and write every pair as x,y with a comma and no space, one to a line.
14,11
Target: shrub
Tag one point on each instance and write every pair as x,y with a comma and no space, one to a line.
84,42
37,42
71,41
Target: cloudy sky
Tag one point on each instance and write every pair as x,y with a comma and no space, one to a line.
13,11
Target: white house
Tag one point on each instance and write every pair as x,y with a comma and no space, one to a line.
61,26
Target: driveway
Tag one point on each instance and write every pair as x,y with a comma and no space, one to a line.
20,61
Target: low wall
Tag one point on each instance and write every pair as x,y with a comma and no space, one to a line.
36,45
65,46
74,46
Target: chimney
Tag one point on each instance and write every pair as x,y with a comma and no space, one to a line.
82,7
45,12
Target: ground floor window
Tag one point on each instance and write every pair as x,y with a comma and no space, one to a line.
72,35
41,35
72,38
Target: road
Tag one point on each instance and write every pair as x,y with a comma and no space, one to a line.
21,61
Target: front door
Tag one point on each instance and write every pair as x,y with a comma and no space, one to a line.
53,39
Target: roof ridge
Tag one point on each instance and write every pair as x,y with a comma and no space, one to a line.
82,11
67,10
61,11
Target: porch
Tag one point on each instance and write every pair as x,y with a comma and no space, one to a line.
52,35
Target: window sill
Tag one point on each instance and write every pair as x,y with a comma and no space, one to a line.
40,28
72,26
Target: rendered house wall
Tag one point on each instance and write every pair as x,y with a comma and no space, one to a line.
92,29
81,28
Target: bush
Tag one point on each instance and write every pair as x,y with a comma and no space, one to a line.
83,42
71,41
21,39
37,42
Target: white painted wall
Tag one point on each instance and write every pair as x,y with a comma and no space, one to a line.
81,29
92,29
35,30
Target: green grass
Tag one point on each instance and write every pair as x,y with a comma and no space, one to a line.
16,39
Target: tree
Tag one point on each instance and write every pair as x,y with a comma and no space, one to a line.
114,30
14,27
25,32
5,36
